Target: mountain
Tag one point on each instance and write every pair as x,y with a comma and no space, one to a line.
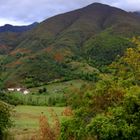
17,29
10,36
94,35
137,13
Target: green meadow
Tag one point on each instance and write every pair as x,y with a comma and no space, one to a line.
26,120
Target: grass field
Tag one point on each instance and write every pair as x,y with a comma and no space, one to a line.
55,95
60,86
26,120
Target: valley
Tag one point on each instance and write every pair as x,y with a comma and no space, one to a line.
73,76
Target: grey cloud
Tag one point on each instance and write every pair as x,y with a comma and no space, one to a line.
28,11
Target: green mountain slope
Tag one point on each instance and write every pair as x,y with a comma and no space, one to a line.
95,34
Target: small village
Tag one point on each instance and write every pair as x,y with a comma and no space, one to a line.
24,91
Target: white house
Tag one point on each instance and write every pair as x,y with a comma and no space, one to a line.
22,90
25,92
18,89
11,89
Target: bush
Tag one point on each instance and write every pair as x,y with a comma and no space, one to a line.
5,114
43,90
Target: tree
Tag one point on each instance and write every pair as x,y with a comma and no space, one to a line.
128,66
43,90
118,123
5,114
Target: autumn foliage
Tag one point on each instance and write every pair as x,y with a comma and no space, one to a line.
14,64
20,50
48,131
48,49
67,112
58,57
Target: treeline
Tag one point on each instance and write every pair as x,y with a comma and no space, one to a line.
34,99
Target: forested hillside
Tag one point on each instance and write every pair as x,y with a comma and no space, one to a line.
94,35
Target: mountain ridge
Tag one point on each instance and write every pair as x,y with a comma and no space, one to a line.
17,29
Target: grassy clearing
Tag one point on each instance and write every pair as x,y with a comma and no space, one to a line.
26,119
60,87
54,95
28,116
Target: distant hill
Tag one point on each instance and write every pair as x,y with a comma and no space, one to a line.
137,13
10,36
95,34
16,29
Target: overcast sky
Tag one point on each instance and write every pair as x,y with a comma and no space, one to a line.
20,12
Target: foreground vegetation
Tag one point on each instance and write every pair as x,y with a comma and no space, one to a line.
5,120
110,110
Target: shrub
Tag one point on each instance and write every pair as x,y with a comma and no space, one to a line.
48,131
5,114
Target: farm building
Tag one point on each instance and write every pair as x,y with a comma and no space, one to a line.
22,90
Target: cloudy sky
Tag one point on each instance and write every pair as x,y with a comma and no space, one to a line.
21,12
